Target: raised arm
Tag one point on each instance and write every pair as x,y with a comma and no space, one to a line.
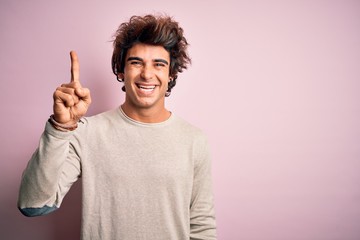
55,165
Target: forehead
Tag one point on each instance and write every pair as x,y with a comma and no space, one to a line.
148,52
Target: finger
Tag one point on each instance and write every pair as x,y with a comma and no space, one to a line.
71,92
67,90
64,98
84,94
75,68
73,85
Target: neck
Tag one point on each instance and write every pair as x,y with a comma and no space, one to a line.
146,115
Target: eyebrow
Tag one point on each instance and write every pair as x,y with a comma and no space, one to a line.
155,60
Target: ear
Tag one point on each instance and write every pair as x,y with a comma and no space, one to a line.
121,76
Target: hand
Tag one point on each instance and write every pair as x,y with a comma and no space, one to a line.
71,101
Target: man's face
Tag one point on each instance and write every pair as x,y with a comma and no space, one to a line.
146,76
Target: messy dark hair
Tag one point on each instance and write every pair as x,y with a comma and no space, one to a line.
152,30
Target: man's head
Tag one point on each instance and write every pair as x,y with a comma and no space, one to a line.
152,30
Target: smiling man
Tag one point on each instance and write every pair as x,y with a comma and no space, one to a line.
147,75
146,173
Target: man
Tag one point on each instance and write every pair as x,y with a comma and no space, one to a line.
145,172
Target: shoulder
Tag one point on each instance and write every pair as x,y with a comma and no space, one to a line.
107,116
188,129
100,122
196,138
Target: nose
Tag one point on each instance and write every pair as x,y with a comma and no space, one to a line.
147,72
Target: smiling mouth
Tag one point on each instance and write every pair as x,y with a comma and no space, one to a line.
146,88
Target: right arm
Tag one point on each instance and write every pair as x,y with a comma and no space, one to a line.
55,165
53,168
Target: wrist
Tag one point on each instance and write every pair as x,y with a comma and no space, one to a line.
62,127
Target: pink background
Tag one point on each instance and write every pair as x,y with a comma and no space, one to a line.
275,84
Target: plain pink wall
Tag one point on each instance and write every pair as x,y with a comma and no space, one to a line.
275,84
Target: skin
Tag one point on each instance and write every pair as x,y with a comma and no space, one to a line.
146,66
71,100
146,77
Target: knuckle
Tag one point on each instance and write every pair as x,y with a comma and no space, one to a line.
56,93
75,98
85,91
71,91
68,98
58,89
76,85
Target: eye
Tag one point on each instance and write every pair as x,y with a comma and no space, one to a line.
159,64
135,63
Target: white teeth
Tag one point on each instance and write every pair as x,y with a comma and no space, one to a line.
148,88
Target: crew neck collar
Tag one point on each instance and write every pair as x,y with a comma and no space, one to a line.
135,122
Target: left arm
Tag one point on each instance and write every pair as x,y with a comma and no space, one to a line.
202,213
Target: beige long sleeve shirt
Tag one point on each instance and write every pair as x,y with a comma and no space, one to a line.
140,181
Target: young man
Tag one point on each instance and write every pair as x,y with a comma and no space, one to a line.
145,172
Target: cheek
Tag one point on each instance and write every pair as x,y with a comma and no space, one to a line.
165,82
130,75
164,76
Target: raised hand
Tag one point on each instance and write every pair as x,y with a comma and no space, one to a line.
71,100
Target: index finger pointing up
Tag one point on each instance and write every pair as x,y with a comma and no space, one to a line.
75,69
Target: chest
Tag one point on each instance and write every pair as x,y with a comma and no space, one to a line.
141,158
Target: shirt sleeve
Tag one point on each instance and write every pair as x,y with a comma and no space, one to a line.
49,174
202,213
